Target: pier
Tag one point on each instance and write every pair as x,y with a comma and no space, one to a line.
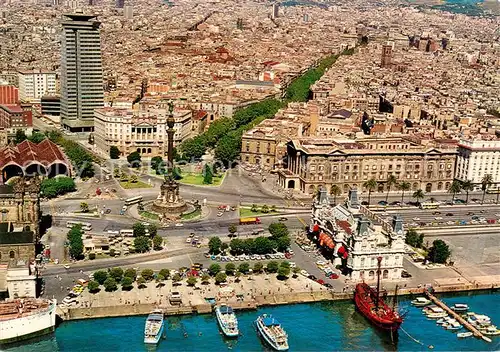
457,316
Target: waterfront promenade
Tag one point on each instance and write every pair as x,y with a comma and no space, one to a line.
250,292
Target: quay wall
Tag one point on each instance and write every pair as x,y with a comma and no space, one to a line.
254,303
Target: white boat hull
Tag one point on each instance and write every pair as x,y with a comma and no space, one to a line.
227,331
154,340
267,339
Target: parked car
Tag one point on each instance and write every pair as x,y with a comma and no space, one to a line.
383,203
449,214
321,282
334,276
283,219
312,277
405,274
326,284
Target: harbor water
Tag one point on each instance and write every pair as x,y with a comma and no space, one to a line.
311,327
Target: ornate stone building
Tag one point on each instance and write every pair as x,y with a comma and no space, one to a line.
313,163
19,219
353,240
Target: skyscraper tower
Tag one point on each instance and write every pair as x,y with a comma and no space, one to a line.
276,10
120,4
387,52
81,72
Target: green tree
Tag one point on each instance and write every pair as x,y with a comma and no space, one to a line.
191,281
257,267
272,209
165,273
84,207
214,245
20,136
230,268
228,148
160,278
454,188
370,186
467,186
296,271
139,229
114,152
403,187
283,243
116,273
214,269
134,159
131,273
52,187
208,175
244,268
285,264
232,230
176,278
272,266
100,276
157,242
92,255
262,245
439,252
414,239
147,274
75,242
237,246
110,284
486,182
36,137
265,209
278,229
418,195
224,246
153,230
193,148
127,283
156,162
141,282
254,208
391,181
220,277
133,178
283,272
335,191
205,279
142,244
93,286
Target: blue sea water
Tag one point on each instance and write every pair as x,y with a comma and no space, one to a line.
328,326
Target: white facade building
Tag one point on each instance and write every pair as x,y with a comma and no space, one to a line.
355,242
144,131
20,282
34,84
477,158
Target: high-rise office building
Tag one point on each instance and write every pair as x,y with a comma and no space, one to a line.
81,72
129,12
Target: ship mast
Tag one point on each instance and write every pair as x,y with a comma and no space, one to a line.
379,261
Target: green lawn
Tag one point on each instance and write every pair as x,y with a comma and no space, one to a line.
192,215
149,215
197,179
138,184
247,213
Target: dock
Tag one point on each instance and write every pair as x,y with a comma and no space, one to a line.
457,316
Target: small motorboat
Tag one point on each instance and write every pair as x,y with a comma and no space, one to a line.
460,307
434,312
491,330
479,320
452,325
463,335
421,302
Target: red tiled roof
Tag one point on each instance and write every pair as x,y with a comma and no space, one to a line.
26,152
344,225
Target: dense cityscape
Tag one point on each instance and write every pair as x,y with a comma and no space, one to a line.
242,175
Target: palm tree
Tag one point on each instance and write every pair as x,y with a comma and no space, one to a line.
418,195
455,188
370,185
467,186
335,192
391,181
485,184
403,187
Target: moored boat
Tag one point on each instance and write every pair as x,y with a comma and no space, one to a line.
373,307
22,319
227,320
154,327
463,335
434,312
460,307
452,325
479,320
421,302
272,332
491,330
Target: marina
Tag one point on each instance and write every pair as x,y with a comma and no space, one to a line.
347,330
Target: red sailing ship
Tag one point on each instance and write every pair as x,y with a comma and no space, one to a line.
373,307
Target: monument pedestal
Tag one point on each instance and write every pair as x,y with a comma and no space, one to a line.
169,202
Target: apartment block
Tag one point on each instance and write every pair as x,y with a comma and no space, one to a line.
34,84
477,158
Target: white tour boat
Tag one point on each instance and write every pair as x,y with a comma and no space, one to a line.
272,332
154,327
460,307
227,320
435,312
421,302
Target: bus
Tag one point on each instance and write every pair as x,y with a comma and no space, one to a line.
247,221
133,200
493,191
127,233
429,205
86,226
